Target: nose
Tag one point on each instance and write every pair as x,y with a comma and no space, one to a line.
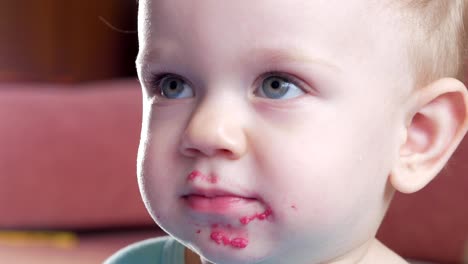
214,131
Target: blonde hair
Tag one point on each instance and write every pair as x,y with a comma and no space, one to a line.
438,38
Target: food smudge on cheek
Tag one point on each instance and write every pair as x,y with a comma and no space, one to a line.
198,175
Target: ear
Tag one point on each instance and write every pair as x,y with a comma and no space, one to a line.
436,121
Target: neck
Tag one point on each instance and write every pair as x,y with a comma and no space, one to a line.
371,252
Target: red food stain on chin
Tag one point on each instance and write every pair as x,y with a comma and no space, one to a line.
221,238
239,242
247,219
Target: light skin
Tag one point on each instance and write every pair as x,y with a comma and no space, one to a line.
325,154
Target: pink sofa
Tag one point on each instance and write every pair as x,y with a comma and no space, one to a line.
68,157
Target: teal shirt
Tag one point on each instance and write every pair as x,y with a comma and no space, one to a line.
160,250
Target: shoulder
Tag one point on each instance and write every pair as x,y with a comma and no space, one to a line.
146,251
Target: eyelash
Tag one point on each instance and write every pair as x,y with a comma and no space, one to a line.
156,79
288,77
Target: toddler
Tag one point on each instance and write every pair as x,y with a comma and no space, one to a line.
278,131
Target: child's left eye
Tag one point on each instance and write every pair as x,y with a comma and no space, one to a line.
277,87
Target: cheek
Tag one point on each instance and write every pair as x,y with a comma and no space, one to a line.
159,169
162,132
328,176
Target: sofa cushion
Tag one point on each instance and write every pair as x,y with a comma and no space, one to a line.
68,155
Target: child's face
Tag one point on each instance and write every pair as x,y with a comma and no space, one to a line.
291,105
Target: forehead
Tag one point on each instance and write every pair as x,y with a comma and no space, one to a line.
345,32
249,20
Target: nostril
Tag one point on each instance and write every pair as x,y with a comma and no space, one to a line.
225,152
192,152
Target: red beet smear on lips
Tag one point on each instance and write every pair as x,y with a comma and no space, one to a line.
196,174
193,175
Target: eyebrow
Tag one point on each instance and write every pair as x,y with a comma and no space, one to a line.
152,54
289,54
263,54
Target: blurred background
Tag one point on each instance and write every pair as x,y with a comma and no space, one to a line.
66,41
70,119
70,113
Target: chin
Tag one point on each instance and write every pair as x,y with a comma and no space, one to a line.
231,260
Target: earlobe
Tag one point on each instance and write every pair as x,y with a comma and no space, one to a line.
437,121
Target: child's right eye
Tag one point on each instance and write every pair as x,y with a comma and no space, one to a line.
171,87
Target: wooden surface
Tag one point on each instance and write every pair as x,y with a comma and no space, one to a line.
54,40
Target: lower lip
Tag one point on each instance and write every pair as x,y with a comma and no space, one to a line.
218,204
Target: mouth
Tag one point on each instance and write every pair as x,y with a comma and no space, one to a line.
217,202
